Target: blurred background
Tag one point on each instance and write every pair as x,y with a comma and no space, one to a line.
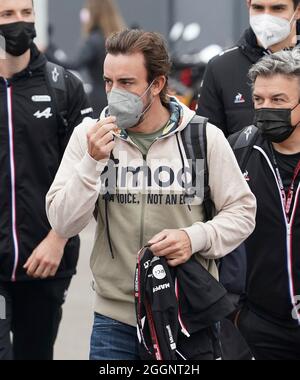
196,31
153,15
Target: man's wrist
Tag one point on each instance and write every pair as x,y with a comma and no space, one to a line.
58,239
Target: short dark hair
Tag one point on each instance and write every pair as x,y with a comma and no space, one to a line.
296,3
154,49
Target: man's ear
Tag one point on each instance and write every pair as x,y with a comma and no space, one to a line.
297,17
248,3
296,116
158,85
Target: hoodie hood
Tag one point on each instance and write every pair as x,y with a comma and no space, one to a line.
180,117
249,46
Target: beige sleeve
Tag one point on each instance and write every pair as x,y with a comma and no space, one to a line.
235,204
71,200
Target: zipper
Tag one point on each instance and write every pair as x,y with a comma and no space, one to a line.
289,227
13,179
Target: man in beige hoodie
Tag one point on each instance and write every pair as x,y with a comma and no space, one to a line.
130,163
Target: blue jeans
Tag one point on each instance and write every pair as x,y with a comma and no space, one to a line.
113,340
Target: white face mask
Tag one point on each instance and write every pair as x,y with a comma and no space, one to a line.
271,30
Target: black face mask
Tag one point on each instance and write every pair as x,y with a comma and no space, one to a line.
18,37
275,124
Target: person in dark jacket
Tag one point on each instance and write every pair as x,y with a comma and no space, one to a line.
36,264
270,320
226,97
100,18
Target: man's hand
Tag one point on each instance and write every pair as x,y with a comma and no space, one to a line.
174,245
46,258
101,139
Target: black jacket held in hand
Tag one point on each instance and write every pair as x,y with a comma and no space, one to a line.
273,260
175,306
226,95
32,142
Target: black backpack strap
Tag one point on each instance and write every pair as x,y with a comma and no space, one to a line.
242,144
56,83
194,138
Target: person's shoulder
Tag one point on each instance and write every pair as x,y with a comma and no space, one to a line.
72,77
226,56
74,82
214,134
244,138
56,70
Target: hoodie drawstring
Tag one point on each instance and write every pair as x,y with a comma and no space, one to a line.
106,198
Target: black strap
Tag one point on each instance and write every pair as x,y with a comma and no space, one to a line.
56,83
56,76
194,138
242,144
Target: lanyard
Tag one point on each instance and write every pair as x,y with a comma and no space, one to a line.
289,196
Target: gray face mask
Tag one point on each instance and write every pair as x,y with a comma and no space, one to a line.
127,107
